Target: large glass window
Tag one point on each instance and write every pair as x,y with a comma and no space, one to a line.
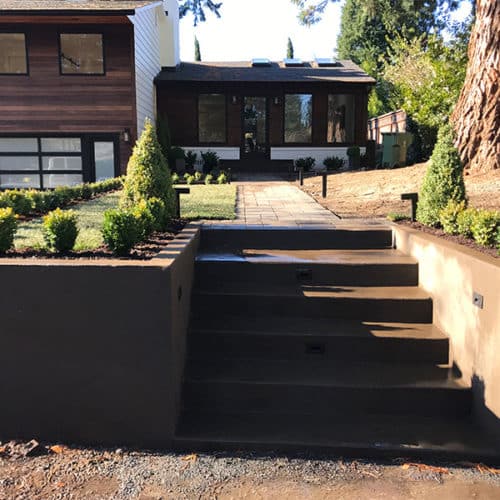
13,60
47,162
340,118
298,118
212,118
81,54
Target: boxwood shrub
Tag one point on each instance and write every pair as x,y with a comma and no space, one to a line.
484,227
8,227
60,230
121,231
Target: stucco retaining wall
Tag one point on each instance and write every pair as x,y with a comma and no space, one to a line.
92,351
451,274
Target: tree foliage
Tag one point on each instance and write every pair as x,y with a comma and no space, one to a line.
289,49
197,51
198,8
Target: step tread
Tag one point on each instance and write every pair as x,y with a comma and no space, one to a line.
317,291
403,435
326,256
321,373
303,326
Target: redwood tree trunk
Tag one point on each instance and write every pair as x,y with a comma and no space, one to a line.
477,114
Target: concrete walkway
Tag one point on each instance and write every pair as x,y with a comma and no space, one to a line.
277,202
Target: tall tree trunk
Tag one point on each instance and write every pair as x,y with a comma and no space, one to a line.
476,116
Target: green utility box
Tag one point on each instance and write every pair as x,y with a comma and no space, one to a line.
395,146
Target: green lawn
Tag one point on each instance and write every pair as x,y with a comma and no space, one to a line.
209,202
204,202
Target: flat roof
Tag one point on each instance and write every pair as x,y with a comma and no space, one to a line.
72,7
347,72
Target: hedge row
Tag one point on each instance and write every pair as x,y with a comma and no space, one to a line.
33,202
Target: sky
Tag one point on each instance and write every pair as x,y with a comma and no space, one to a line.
260,28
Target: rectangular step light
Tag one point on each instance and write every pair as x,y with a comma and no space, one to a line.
261,62
293,63
327,62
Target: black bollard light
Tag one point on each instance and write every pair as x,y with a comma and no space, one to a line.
325,184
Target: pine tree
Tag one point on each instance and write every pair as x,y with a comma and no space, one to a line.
443,180
197,51
289,49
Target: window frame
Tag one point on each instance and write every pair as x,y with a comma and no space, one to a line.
59,53
22,32
311,142
354,104
226,111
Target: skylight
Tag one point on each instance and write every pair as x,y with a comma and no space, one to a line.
325,62
261,62
293,62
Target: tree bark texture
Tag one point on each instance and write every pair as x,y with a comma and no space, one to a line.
476,116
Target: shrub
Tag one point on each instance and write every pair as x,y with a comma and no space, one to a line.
448,216
465,220
191,158
497,240
190,179
443,180
65,194
209,178
17,200
60,230
222,179
148,175
354,155
120,231
37,200
198,176
175,178
144,218
305,163
484,227
8,227
210,161
157,209
175,153
333,163
394,216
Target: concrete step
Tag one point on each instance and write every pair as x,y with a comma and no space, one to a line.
357,436
325,266
296,338
218,238
401,304
318,388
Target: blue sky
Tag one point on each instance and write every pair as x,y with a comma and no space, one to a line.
260,28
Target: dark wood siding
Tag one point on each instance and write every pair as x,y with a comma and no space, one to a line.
178,101
45,101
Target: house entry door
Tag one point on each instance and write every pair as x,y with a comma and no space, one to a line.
255,144
104,157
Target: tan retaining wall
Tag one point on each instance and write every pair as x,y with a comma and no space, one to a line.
92,351
451,274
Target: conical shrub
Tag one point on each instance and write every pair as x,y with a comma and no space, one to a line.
443,180
148,175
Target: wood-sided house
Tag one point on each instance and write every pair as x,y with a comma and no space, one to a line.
263,111
76,84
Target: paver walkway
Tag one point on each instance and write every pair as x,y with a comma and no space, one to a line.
277,202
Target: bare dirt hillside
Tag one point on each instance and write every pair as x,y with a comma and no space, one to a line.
375,193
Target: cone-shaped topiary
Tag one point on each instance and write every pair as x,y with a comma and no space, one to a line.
443,180
148,175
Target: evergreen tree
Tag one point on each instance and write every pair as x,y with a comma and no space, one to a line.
289,49
443,180
197,8
197,52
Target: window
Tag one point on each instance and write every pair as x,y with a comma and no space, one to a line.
32,162
13,57
340,118
298,118
81,54
212,118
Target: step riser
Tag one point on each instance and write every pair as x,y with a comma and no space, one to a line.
407,311
293,399
296,347
294,239
217,273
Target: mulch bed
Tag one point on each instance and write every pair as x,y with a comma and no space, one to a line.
145,250
460,240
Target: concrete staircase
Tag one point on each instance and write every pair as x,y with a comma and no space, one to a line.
319,339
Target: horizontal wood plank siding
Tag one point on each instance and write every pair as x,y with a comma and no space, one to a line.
45,101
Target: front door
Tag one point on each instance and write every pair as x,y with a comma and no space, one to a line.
104,157
255,134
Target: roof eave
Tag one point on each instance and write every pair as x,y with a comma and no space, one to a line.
66,12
